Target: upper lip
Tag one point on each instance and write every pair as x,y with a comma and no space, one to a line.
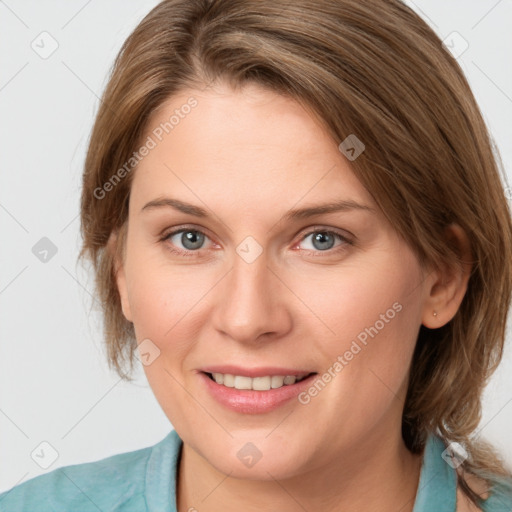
261,371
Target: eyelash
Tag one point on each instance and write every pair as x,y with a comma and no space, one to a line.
190,253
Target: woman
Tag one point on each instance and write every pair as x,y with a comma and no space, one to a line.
297,220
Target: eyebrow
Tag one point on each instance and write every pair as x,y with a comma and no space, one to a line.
300,213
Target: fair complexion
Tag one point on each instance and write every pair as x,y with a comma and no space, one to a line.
248,158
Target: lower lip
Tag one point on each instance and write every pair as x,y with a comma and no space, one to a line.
248,401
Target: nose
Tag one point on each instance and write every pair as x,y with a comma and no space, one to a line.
251,303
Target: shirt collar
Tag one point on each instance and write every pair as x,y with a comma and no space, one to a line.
437,488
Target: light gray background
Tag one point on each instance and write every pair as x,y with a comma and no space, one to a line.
54,383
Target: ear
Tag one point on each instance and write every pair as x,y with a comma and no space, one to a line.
115,247
449,284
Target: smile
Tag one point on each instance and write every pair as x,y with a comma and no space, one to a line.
262,392
264,383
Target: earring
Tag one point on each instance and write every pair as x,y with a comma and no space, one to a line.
435,313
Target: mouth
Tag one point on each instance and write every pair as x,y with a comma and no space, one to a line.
262,393
262,383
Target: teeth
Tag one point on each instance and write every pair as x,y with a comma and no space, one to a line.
289,379
256,383
277,381
243,382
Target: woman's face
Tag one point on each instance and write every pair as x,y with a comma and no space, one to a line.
232,279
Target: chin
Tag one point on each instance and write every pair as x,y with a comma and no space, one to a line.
258,460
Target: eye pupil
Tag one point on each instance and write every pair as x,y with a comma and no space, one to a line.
192,239
323,240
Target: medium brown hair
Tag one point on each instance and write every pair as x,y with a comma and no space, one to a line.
371,68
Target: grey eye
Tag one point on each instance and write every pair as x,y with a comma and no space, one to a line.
322,240
190,239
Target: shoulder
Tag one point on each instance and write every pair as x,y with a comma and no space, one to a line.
477,485
497,496
439,487
115,483
102,484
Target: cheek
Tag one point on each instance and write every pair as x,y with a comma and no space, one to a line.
165,300
377,295
160,299
371,316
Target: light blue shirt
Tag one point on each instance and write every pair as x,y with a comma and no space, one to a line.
145,481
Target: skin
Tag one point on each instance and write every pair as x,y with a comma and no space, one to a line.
248,157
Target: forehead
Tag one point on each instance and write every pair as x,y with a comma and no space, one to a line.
251,146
